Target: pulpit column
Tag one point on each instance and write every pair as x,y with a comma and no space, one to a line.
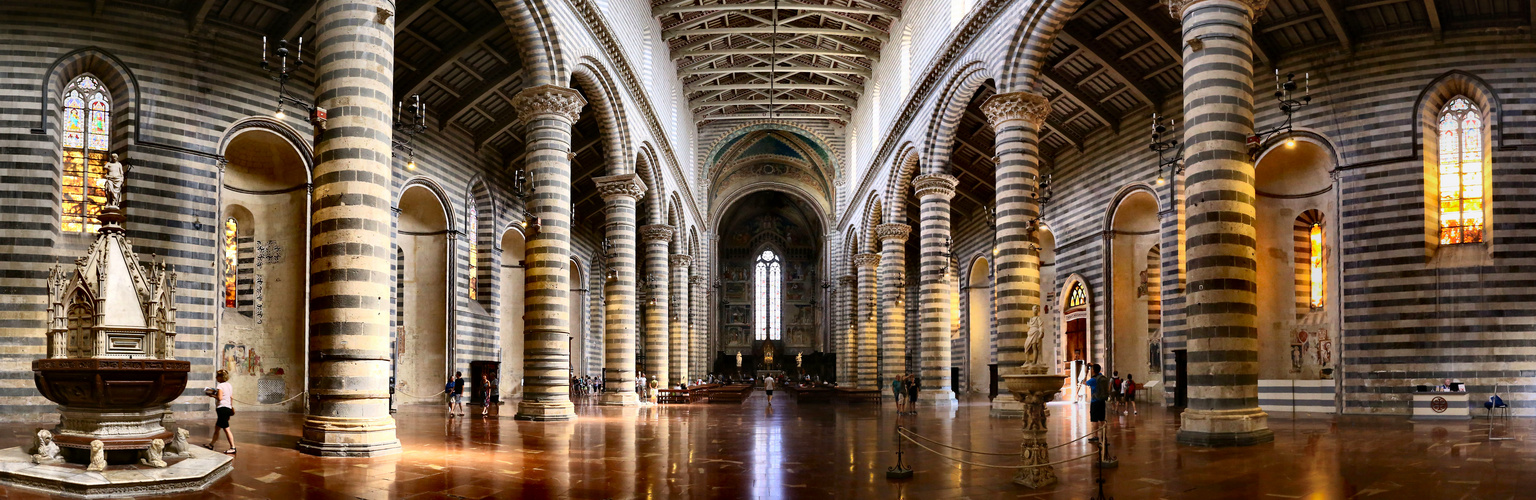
350,254
1221,294
934,192
548,112
678,347
1016,118
893,302
621,193
658,240
866,345
847,347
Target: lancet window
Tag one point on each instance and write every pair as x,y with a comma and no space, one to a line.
1461,173
86,139
768,277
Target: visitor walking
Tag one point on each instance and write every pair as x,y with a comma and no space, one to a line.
913,385
896,391
651,387
768,384
448,395
1114,392
458,392
225,395
489,388
1130,394
1098,387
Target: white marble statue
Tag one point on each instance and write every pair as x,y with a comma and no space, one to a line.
799,358
155,455
1033,341
178,445
44,450
112,180
738,360
98,457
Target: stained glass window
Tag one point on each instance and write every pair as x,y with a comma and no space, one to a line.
1316,266
1461,173
1078,297
768,306
471,222
231,255
86,138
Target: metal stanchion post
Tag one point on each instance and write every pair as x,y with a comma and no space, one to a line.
900,470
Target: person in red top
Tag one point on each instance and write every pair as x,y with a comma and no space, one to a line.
1130,394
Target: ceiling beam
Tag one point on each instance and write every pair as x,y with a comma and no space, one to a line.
765,30
1271,28
1090,105
780,70
799,51
466,45
764,116
1336,21
1433,13
1143,90
197,13
760,102
292,24
776,86
404,17
470,96
661,11
1160,30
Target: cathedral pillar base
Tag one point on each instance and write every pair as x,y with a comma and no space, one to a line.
349,437
941,398
619,399
542,411
1219,428
1006,406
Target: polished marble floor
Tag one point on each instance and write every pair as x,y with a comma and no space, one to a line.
754,451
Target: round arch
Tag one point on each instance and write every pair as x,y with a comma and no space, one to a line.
599,89
957,95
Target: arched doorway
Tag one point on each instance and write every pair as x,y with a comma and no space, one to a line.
1075,351
1133,234
979,288
577,313
512,253
263,240
421,336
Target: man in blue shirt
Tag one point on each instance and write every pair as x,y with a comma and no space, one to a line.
1098,384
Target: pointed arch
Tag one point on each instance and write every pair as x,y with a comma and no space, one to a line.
1126,192
437,191
1450,210
122,89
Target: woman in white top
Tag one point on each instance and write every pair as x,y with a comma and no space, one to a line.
225,394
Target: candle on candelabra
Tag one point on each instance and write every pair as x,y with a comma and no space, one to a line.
399,110
1307,80
263,50
299,59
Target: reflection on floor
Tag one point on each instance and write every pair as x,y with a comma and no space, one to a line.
835,451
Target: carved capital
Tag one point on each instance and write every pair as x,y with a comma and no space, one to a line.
656,232
548,100
847,282
617,187
696,279
1176,8
863,260
1027,106
681,260
893,232
935,185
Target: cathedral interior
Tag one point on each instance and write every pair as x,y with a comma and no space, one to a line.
478,249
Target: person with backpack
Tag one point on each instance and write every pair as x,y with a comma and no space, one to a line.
1098,386
1114,392
1129,392
896,391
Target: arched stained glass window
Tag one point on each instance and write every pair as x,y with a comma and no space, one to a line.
1461,173
86,139
471,224
231,257
768,277
1315,265
1078,297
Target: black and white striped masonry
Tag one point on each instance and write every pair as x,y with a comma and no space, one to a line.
547,112
657,239
866,369
847,347
934,192
1222,332
677,345
621,193
893,315
349,310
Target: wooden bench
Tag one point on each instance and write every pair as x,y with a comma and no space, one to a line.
860,395
814,394
672,396
730,394
700,393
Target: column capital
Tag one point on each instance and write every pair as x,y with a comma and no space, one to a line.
697,279
863,260
847,282
614,187
681,260
935,185
656,232
893,232
1176,8
1027,106
543,100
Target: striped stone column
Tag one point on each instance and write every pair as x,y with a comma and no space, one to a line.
697,333
658,240
933,193
547,112
350,253
847,305
620,193
1221,314
865,343
677,368
892,304
1016,118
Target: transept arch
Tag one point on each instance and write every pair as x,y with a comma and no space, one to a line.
1134,228
1295,194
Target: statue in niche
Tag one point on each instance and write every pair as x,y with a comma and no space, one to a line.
799,359
1034,340
738,360
112,181
768,354
44,450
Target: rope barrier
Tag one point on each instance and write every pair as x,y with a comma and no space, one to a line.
994,466
283,402
931,440
439,393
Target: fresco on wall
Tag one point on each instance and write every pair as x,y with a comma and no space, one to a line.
238,359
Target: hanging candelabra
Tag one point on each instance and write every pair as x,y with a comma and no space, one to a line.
282,72
1170,162
520,184
1288,105
410,122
